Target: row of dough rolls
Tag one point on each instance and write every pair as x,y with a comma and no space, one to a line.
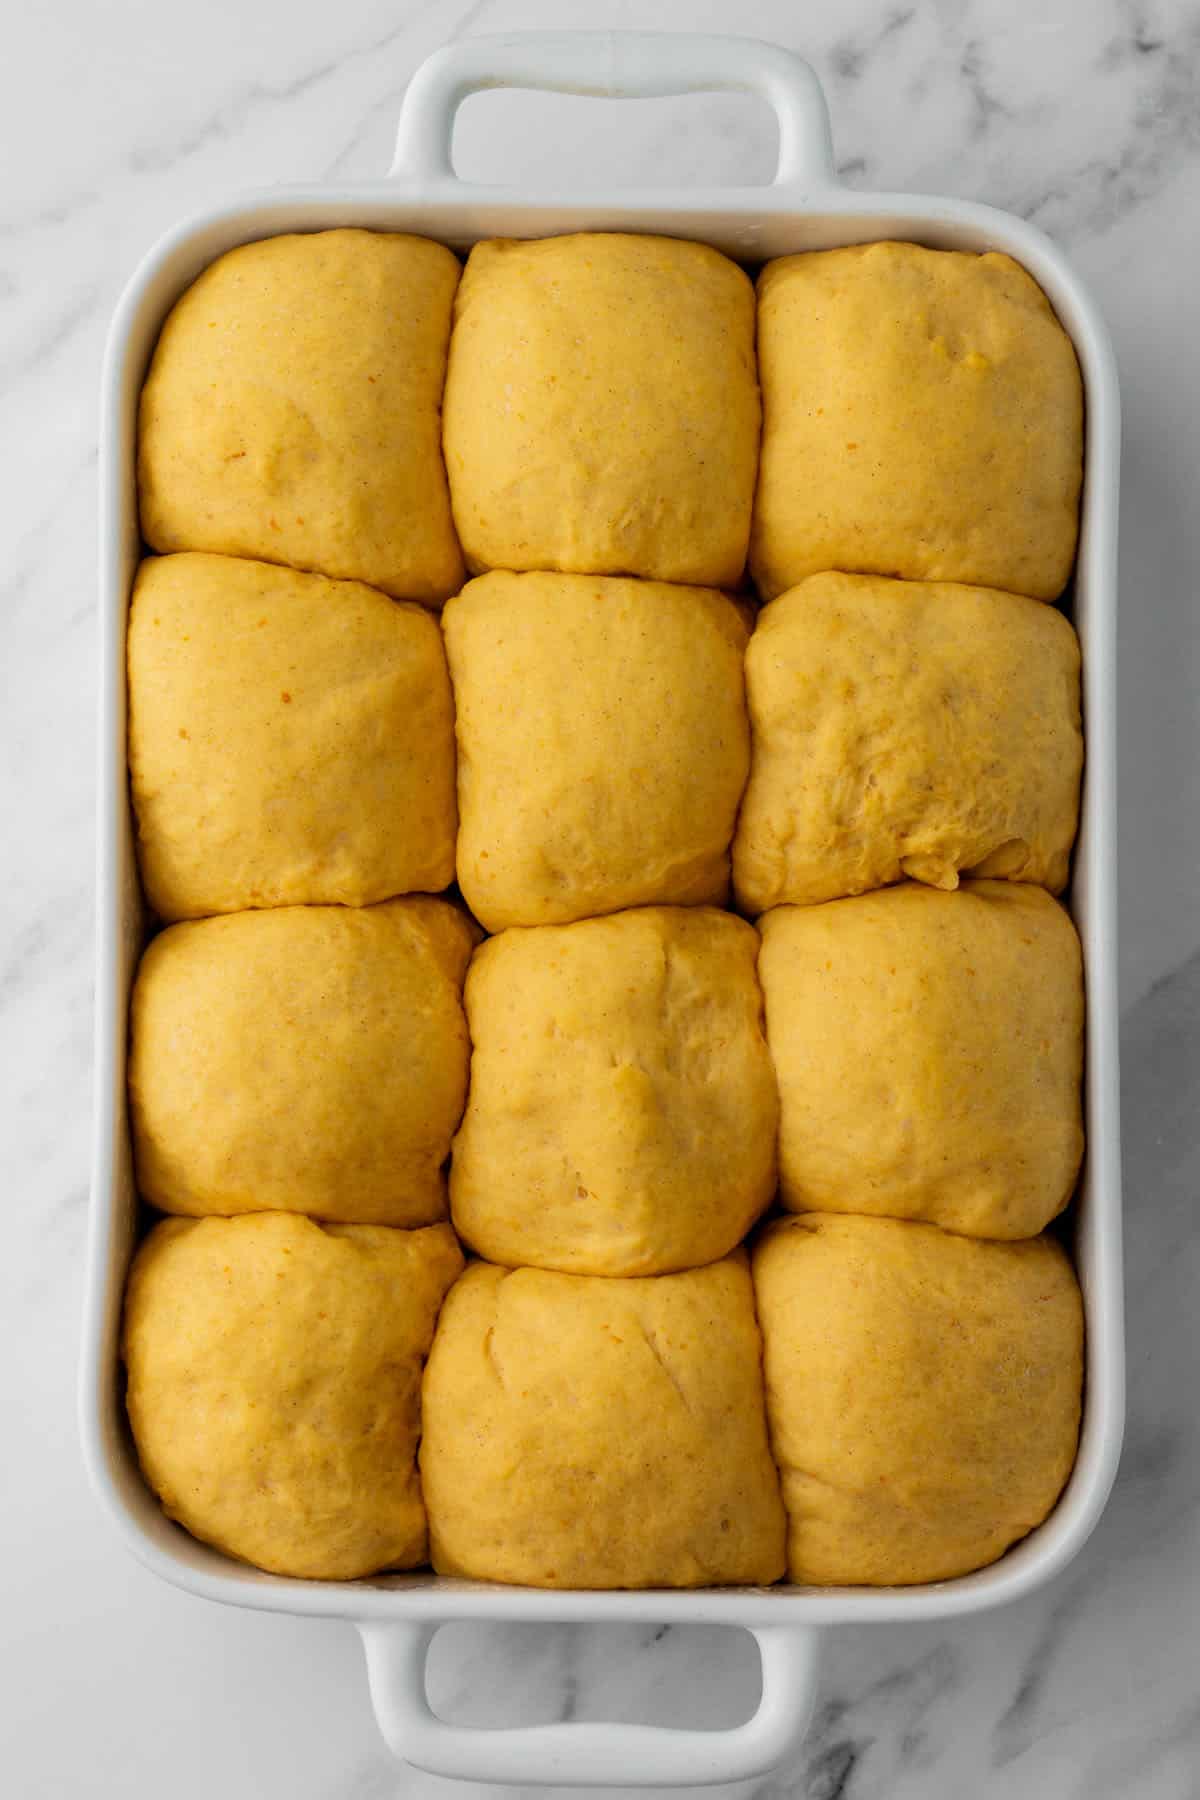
624,1100
597,401
570,745
585,1432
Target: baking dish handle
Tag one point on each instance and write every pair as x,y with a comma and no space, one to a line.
584,1754
615,65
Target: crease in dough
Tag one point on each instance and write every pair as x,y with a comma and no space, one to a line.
911,729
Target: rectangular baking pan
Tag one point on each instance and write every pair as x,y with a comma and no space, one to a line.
803,208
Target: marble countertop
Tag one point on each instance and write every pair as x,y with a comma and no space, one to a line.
1079,114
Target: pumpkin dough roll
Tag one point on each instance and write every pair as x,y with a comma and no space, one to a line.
906,728
586,1432
275,1385
603,744
293,411
922,417
291,739
309,1059
602,411
929,1051
923,1392
622,1110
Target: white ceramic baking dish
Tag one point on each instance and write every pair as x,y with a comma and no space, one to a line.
803,208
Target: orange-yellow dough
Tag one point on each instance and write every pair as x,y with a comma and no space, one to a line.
602,410
603,744
923,1392
622,1110
275,1385
581,1432
291,739
308,1059
905,728
293,411
929,1050
922,417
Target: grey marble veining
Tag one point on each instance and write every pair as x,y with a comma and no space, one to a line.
116,121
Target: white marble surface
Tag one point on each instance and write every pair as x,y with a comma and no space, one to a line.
115,120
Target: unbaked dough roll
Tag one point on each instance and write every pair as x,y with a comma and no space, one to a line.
622,1111
581,1432
929,1049
310,1059
923,1393
906,728
603,744
602,410
275,1385
293,411
291,739
922,417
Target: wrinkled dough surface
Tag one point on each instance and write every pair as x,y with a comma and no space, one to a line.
906,728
